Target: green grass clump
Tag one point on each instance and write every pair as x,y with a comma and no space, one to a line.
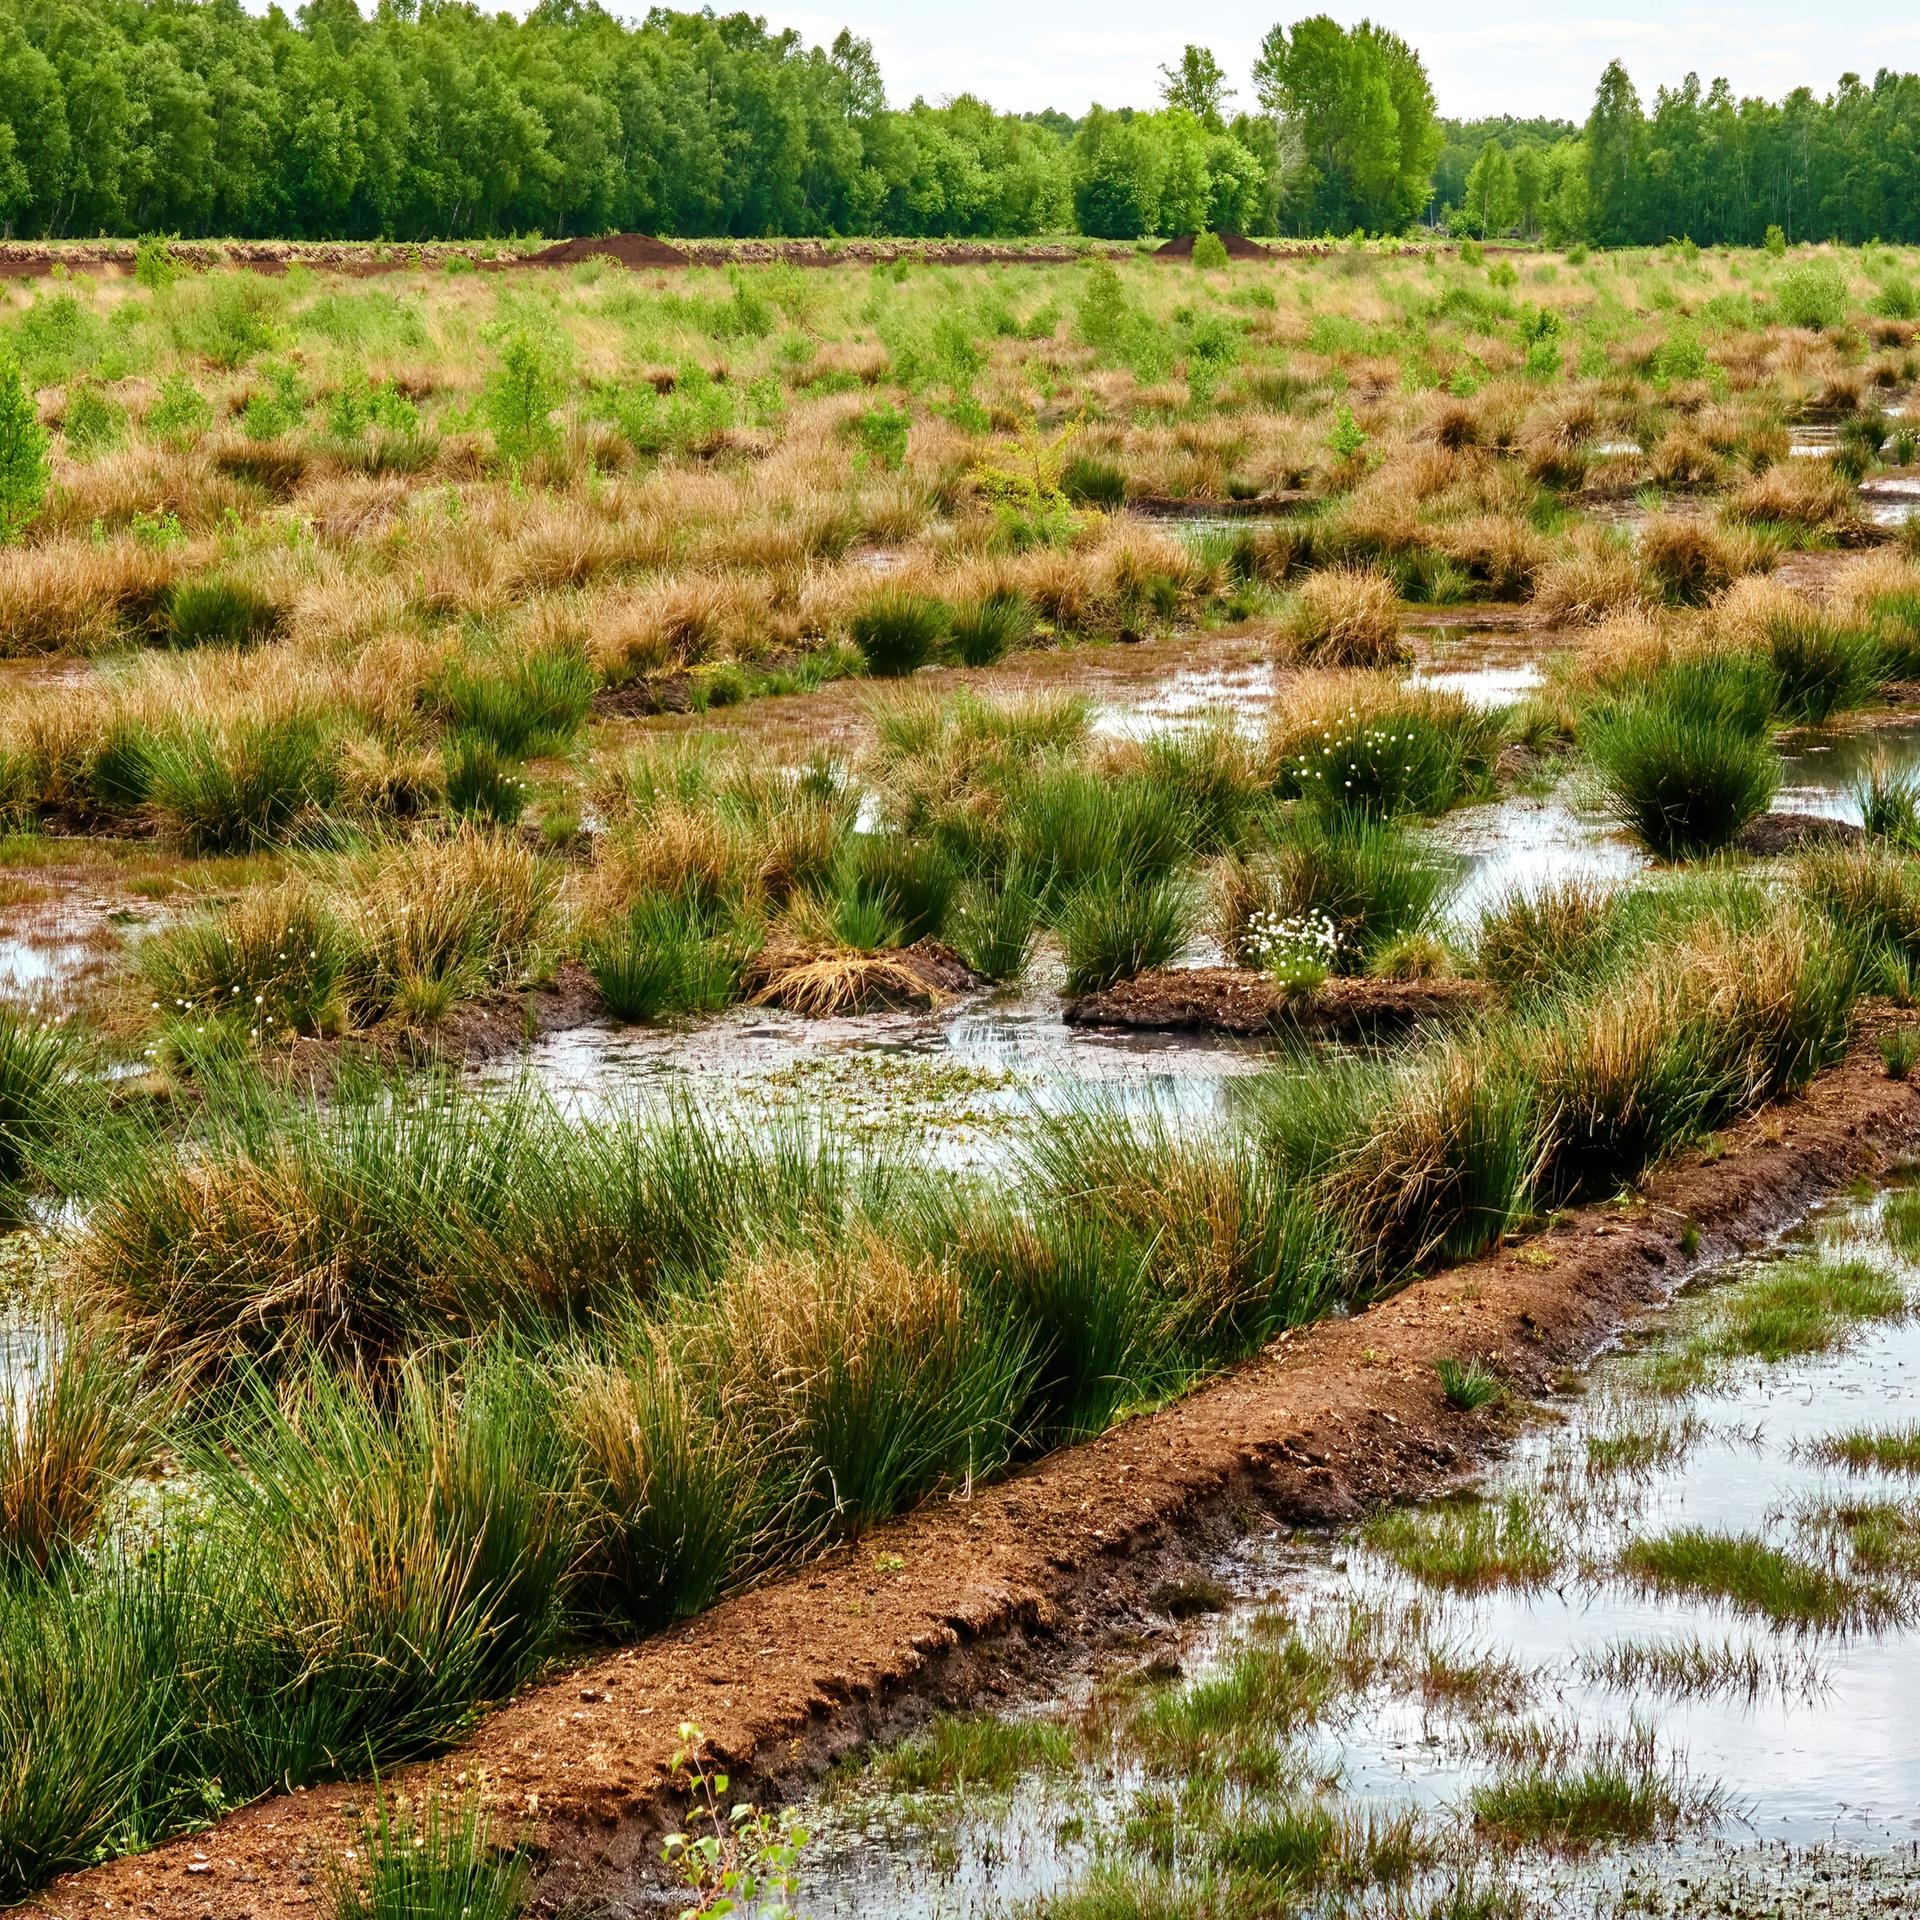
1683,781
1112,929
47,1092
1889,803
1372,880
681,1496
994,923
1091,482
1233,1724
1821,666
904,884
898,632
663,957
1419,754
212,611
1548,937
369,1567
1604,1802
523,704
1071,826
78,1423
1803,1306
991,628
1873,1449
434,1861
482,782
245,783
1309,1845
1754,1578
1469,1546
980,1751
1468,1386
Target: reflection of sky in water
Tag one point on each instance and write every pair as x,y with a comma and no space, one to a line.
1835,1765
32,963
1891,502
1521,844
1821,772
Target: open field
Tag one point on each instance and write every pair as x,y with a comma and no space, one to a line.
654,916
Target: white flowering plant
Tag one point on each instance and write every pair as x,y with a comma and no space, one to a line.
1297,950
1380,766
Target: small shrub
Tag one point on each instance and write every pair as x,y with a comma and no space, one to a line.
181,414
24,468
1813,294
1209,252
156,266
519,398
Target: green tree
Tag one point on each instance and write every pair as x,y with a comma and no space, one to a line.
1197,85
1360,110
1493,199
1615,144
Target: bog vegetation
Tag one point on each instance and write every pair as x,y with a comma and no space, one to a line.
414,652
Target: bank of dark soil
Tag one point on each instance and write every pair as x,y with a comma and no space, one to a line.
1237,1000
945,1603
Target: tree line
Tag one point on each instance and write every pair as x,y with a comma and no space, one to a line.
435,119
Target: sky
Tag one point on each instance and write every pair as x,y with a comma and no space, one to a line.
1499,56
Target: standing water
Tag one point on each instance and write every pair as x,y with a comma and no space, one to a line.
1665,1661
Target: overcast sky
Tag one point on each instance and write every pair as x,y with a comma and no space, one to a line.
1518,56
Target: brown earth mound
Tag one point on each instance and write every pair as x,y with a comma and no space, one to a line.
1237,1000
946,1603
1238,247
1771,834
628,249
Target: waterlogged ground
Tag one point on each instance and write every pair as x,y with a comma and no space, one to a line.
958,1080
1665,1661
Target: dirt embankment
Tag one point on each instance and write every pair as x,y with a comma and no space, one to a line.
945,1603
1239,1000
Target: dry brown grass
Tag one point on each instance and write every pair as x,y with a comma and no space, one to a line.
75,595
1803,493
1346,617
1693,559
823,985
1597,576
